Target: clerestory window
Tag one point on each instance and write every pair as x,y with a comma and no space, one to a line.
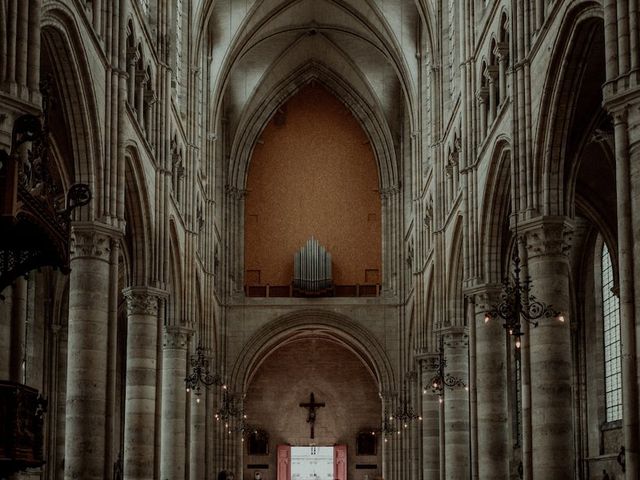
612,343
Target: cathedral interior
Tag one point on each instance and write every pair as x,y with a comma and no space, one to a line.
319,239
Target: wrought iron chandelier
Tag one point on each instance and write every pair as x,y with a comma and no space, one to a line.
200,375
405,412
229,410
441,379
517,304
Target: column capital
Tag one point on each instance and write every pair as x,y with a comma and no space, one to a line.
143,300
92,240
547,236
428,362
455,337
176,337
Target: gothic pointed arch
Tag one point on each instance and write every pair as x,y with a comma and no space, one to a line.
262,109
139,217
62,42
304,322
553,149
496,209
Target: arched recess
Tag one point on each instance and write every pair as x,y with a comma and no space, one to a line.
455,313
496,210
552,153
429,340
274,95
139,218
63,44
311,322
176,292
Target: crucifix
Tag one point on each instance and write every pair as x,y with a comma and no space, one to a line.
311,405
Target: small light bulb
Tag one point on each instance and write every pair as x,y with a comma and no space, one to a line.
420,418
188,389
487,318
224,387
390,417
405,425
226,425
424,391
518,344
440,400
386,440
242,440
561,318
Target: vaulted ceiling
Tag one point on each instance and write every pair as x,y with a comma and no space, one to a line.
256,48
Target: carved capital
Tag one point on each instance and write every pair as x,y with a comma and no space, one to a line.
491,73
501,51
482,95
89,243
142,300
176,337
428,364
455,337
548,237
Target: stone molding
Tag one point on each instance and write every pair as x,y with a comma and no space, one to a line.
142,300
547,236
176,337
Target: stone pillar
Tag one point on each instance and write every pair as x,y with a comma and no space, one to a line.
483,96
87,353
140,398
502,55
173,423
491,74
456,405
142,82
491,391
550,350
197,436
430,419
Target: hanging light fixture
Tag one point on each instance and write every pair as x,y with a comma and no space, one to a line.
517,304
387,428
229,410
441,379
200,375
405,413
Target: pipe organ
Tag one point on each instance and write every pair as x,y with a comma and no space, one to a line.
312,269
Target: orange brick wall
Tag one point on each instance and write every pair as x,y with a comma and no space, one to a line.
312,172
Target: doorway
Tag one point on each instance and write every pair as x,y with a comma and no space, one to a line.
312,463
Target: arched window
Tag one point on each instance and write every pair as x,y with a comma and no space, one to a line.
612,344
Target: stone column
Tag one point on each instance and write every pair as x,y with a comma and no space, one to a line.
456,405
483,96
550,350
491,391
87,353
197,437
140,401
502,55
173,423
491,74
430,420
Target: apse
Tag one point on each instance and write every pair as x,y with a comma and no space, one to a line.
313,174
